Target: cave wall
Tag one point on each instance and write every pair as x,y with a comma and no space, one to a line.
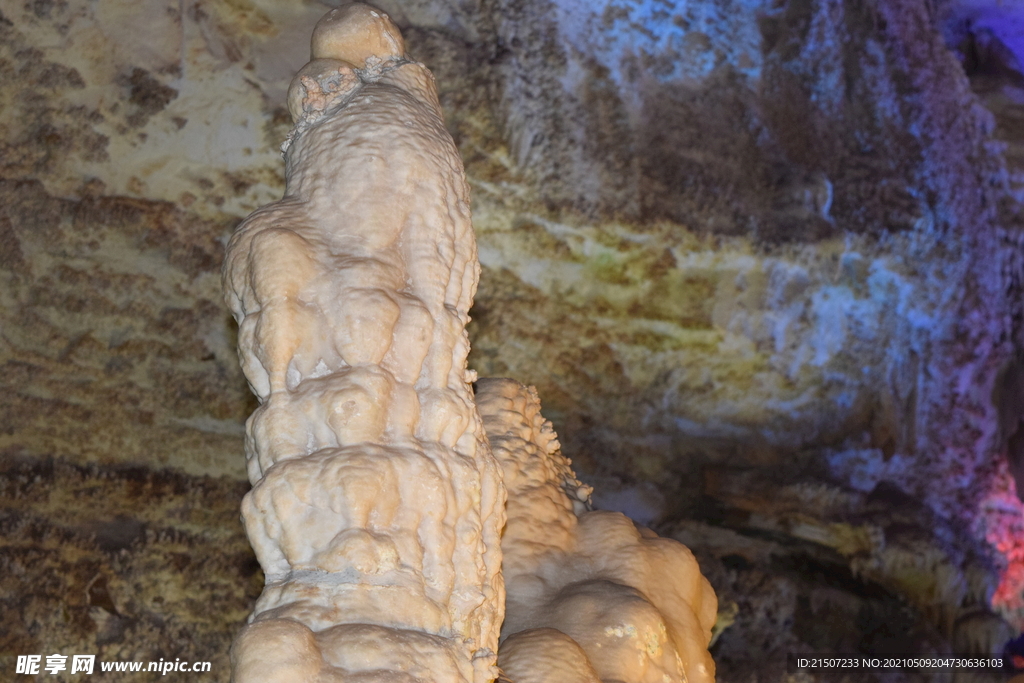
761,260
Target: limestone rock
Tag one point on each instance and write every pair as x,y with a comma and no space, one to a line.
586,589
376,506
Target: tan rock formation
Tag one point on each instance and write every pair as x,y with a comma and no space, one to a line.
589,593
377,506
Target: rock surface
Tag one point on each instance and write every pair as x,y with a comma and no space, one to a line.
126,563
761,261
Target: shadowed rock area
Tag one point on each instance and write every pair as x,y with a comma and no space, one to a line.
127,563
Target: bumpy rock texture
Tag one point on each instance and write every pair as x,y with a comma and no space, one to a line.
126,563
589,594
759,258
376,507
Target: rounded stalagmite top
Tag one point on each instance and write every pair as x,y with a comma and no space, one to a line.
316,82
355,32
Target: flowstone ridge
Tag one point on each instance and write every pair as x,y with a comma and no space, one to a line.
377,505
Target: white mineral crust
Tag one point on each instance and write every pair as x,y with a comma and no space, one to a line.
591,597
376,506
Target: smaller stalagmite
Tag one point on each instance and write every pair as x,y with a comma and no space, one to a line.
377,505
591,597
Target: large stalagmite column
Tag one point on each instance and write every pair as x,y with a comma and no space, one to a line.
376,505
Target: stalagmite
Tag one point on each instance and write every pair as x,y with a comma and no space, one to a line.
377,505
590,596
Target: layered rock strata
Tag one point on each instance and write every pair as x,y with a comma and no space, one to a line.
376,505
